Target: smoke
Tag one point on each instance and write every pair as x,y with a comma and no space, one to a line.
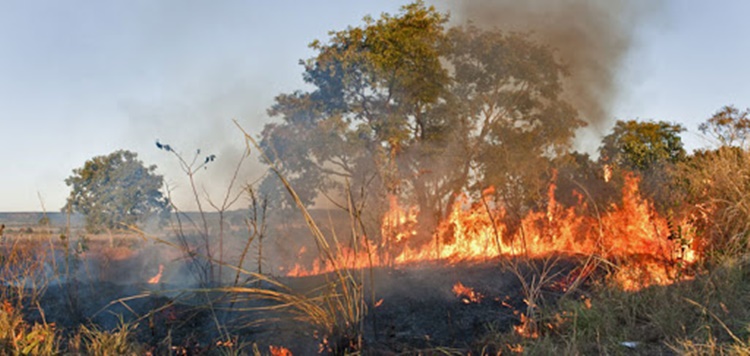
593,38
200,118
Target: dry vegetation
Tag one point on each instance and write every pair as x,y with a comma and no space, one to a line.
559,303
65,291
463,225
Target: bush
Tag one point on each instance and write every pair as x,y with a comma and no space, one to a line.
707,316
97,342
19,338
718,188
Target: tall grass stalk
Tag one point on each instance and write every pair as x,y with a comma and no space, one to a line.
340,308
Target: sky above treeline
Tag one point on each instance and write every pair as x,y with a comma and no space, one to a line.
85,78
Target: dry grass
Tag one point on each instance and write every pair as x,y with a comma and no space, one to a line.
708,315
17,337
718,184
336,309
23,280
96,342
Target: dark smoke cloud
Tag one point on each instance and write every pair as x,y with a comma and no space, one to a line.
592,37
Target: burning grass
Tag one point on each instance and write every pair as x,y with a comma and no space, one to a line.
504,303
493,281
631,236
707,315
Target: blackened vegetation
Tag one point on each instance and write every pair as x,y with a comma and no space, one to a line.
416,310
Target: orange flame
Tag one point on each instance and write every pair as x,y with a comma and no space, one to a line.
155,279
279,351
630,232
467,295
527,328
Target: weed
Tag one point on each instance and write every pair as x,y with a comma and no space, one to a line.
121,341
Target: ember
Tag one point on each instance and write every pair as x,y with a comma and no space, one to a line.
467,295
279,351
527,328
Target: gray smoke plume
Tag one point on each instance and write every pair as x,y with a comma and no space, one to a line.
592,37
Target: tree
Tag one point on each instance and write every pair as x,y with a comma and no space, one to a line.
510,117
729,126
639,145
403,106
579,176
653,149
115,191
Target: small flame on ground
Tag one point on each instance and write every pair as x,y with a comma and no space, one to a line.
279,351
467,295
155,279
527,328
515,348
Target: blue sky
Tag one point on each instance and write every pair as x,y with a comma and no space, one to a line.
85,78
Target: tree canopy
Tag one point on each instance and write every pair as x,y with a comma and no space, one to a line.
115,191
404,106
639,145
729,126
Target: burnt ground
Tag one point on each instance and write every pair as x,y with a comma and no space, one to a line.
420,310
416,310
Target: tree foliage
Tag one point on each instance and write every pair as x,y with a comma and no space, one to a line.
404,106
639,145
729,126
115,191
651,148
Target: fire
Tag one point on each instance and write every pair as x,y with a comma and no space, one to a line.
527,328
467,295
279,351
398,223
631,233
155,279
515,348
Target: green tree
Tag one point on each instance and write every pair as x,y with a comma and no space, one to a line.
509,119
406,107
115,191
653,149
581,177
639,145
729,126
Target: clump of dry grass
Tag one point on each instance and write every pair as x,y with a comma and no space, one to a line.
718,185
22,271
97,342
707,315
17,337
336,309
